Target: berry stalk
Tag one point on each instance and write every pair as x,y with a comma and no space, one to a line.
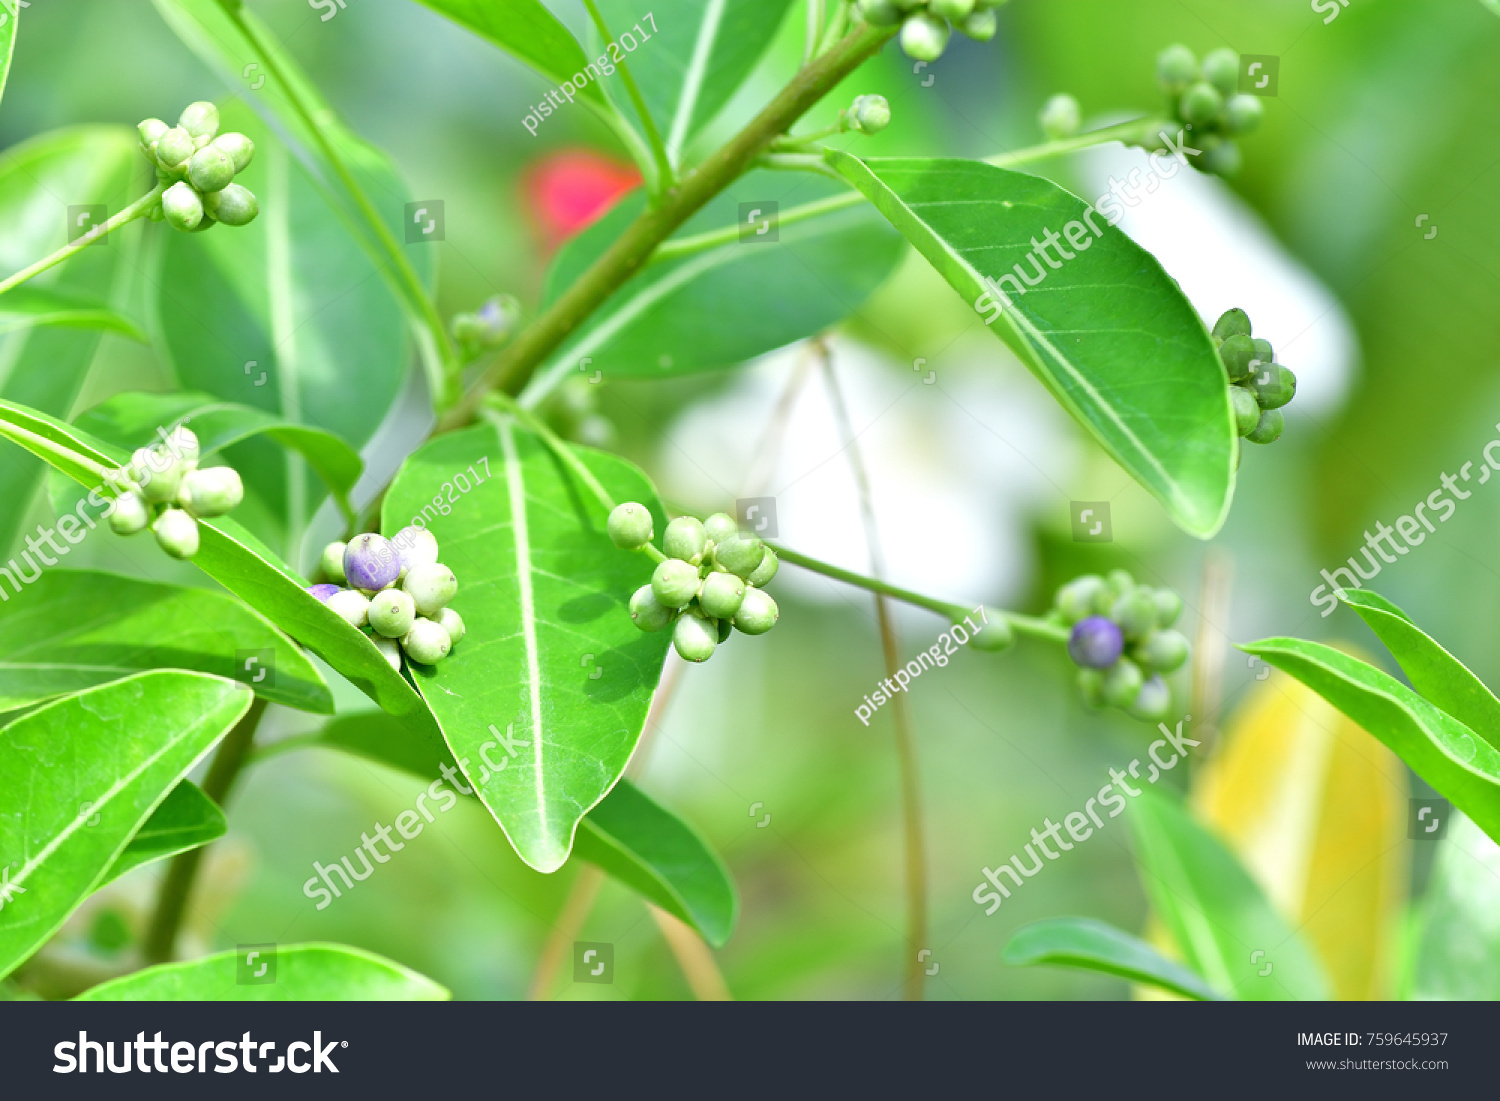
138,209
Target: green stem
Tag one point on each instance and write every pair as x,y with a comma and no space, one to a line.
816,16
1134,130
137,209
666,177
836,28
176,889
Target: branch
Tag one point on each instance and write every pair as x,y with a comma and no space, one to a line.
137,209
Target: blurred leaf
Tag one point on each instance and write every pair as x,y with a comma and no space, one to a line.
1109,333
1438,676
9,19
46,367
727,305
29,306
378,737
304,973
527,30
186,819
1216,914
662,858
1316,810
86,773
1457,956
72,629
693,63
1097,946
544,700
1439,748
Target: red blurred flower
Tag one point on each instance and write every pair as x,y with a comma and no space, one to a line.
570,190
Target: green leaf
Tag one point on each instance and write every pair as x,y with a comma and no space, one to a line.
552,667
45,367
1437,675
82,776
662,858
1457,954
29,306
1097,946
186,819
692,64
724,306
1108,332
9,19
304,973
72,629
1216,914
378,737
526,30
1437,747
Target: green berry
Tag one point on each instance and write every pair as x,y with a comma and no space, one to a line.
1168,607
351,605
1153,702
1263,351
953,10
924,37
758,613
1122,683
685,539
453,623
200,119
212,492
695,638
1237,353
1200,104
1176,68
648,613
721,595
765,571
1235,322
1273,385
1246,410
720,527
630,526
162,478
1060,117
869,114
208,222
182,206
389,649
1163,651
150,132
726,628
235,205
333,561
1091,685
995,633
981,26
674,583
239,148
741,554
879,13
1269,430
426,643
176,533
1221,68
431,587
1223,159
1135,613
1242,114
1075,600
392,613
210,169
1120,582
130,514
182,441
173,149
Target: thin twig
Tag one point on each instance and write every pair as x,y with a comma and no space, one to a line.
1211,647
137,209
694,957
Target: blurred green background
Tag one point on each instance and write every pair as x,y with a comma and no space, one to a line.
1387,113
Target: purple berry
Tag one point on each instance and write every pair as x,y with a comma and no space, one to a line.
371,563
1096,643
322,592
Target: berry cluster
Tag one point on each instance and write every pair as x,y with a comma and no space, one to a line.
414,618
1203,98
708,582
1120,640
926,25
200,165
1261,386
163,489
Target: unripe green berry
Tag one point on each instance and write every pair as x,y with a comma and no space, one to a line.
765,571
741,554
758,613
952,10
1263,351
924,37
208,222
1060,117
1076,599
182,206
630,526
1176,68
1242,114
431,587
1153,702
1235,322
879,13
1135,613
1269,430
210,169
685,539
173,149
182,441
392,613
212,492
1221,68
1246,410
1200,104
161,478
720,527
995,633
1091,685
352,605
1237,353
1223,159
1273,385
1168,607
235,205
239,148
176,533
695,638
869,114
648,613
1120,582
721,594
332,562
674,583
1163,651
726,628
1122,683
200,119
130,514
150,132
389,649
454,624
981,26
426,643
